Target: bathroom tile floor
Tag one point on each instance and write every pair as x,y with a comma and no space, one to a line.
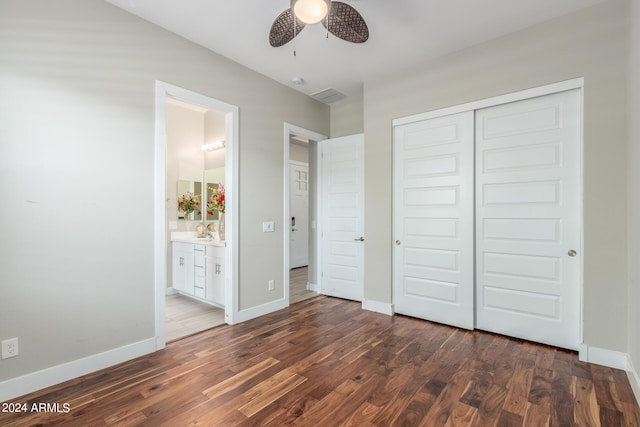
186,316
298,285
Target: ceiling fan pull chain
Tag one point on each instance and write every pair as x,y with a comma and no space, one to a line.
326,25
294,35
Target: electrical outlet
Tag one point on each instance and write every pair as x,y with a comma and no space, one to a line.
10,348
272,285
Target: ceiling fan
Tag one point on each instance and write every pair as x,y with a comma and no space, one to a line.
340,19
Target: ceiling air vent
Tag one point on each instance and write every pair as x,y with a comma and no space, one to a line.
328,95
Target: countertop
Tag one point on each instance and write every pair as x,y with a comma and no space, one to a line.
192,237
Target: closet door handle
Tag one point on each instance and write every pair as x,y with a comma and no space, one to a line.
359,239
397,242
571,252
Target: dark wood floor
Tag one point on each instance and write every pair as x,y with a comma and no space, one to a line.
325,362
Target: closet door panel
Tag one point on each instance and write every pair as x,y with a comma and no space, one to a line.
528,219
433,219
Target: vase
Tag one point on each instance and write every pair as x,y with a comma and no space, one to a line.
221,227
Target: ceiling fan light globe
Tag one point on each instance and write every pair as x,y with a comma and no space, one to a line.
310,11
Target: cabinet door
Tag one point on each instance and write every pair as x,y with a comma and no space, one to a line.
183,267
215,274
179,271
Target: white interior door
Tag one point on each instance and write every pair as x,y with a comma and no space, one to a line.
299,212
528,219
342,217
433,220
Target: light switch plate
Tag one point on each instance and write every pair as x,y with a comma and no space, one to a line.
173,225
268,227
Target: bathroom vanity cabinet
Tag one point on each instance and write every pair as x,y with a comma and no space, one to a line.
198,270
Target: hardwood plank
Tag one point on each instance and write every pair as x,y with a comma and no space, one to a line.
585,407
237,380
270,390
538,414
461,415
561,398
490,407
325,361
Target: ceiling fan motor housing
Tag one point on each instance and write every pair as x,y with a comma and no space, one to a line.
311,11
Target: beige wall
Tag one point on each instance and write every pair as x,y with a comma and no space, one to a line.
299,153
590,44
634,187
77,173
347,117
214,130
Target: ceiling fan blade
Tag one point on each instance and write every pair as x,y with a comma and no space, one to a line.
346,23
282,29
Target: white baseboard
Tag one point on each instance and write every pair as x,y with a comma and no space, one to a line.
634,379
35,381
260,310
601,356
377,306
313,287
170,291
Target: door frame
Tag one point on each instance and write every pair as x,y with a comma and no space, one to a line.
577,83
290,129
162,91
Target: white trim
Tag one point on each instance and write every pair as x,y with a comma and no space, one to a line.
39,380
231,112
297,163
313,287
577,83
261,310
601,356
297,130
634,379
378,307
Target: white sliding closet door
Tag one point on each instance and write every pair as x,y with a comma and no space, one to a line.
433,220
528,219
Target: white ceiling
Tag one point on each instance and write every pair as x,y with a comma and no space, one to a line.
403,34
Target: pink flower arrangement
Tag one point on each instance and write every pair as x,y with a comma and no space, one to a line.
216,201
188,203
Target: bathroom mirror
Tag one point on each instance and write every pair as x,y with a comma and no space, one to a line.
212,178
194,187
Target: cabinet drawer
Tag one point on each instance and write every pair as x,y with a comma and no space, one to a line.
215,250
199,292
199,279
199,249
198,260
182,247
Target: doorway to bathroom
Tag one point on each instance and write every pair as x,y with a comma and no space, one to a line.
196,214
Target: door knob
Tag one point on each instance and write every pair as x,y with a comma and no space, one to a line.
571,252
398,242
294,229
360,239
